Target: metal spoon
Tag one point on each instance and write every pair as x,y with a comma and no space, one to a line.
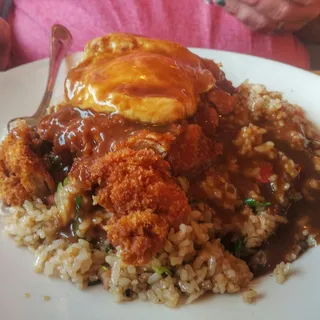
61,41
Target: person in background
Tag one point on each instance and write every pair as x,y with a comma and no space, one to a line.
275,29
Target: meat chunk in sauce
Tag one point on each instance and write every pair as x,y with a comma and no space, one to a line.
221,81
208,119
193,151
222,100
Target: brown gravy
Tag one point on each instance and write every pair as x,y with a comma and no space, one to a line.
86,133
285,238
288,235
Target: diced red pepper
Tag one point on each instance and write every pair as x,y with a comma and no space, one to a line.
266,171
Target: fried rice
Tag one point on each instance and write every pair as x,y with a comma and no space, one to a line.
194,259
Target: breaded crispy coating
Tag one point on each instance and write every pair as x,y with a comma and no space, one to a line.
12,191
138,180
130,183
141,234
23,174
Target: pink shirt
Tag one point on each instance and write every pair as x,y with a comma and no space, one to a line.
191,22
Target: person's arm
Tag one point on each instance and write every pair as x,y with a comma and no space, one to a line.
5,34
5,44
273,15
310,34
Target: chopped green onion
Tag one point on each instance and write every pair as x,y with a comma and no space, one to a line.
237,248
75,224
162,270
94,283
103,268
65,181
78,201
60,186
57,194
255,204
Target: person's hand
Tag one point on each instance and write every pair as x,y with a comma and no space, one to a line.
5,44
273,15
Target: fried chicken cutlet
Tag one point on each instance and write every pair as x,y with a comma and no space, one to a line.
23,174
138,188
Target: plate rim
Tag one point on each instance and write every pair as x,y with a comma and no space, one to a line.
194,308
192,49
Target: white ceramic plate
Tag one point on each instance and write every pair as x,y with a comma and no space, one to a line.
20,93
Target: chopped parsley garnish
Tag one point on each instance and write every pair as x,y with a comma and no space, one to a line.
256,204
237,248
162,271
78,201
103,269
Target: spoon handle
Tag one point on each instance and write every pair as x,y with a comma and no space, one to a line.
61,41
